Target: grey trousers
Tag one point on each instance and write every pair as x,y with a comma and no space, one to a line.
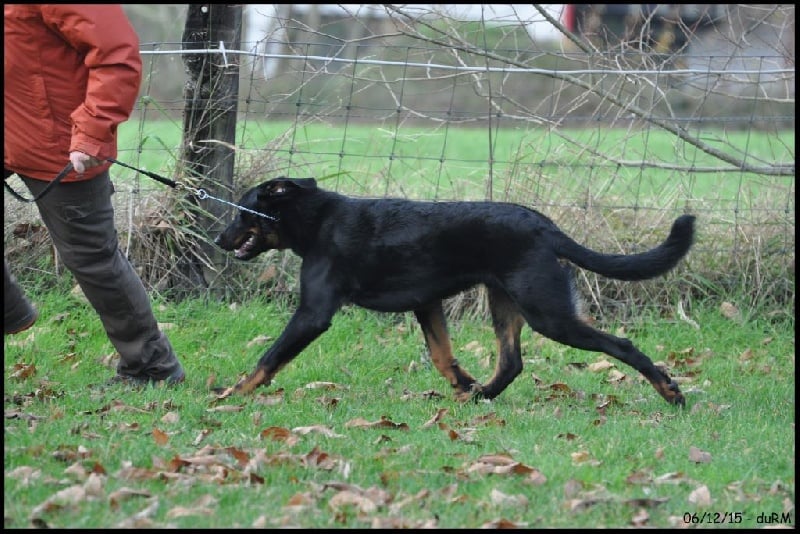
80,219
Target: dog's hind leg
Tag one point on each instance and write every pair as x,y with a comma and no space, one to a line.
508,323
434,327
573,332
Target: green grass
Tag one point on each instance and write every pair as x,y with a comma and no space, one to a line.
591,452
531,165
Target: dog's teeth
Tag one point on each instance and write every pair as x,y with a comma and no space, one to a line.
246,246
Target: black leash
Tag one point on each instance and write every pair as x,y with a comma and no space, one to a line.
65,171
200,193
157,177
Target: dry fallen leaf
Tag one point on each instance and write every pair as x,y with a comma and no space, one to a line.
700,497
640,518
440,413
160,437
601,365
498,498
729,311
317,429
698,456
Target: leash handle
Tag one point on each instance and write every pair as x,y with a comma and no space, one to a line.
157,177
64,172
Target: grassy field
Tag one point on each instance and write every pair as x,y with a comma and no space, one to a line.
529,165
360,431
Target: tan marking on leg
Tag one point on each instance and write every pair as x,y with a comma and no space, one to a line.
441,351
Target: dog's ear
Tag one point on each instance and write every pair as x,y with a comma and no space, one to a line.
283,186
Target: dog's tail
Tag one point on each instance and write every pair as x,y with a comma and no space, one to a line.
642,266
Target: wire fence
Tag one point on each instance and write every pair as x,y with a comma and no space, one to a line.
612,145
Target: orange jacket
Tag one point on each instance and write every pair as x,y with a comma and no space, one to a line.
71,75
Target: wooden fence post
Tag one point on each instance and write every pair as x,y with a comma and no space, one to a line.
209,123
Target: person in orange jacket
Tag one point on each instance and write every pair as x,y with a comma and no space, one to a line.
71,76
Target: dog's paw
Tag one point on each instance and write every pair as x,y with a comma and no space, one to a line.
677,397
669,390
474,393
244,386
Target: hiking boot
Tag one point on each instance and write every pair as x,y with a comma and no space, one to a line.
177,377
20,325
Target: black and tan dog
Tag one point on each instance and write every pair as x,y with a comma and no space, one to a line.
394,255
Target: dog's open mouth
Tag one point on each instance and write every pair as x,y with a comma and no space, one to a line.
247,246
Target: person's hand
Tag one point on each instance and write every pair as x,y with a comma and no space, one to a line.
81,162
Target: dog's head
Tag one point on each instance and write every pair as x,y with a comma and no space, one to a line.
259,229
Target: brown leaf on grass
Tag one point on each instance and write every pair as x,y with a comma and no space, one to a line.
672,478
316,429
700,497
440,413
647,502
746,355
18,414
119,406
498,498
94,485
466,434
572,487
502,464
25,474
142,518
77,471
181,511
300,501
70,454
318,458
329,402
170,417
639,477
397,523
383,422
277,433
417,499
615,376
574,505
160,437
242,457
258,340
366,501
130,472
583,458
698,456
347,498
226,408
503,524
729,311
324,385
640,518
489,419
601,365
21,371
201,436
70,496
270,398
123,494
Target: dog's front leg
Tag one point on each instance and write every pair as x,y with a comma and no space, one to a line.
304,327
